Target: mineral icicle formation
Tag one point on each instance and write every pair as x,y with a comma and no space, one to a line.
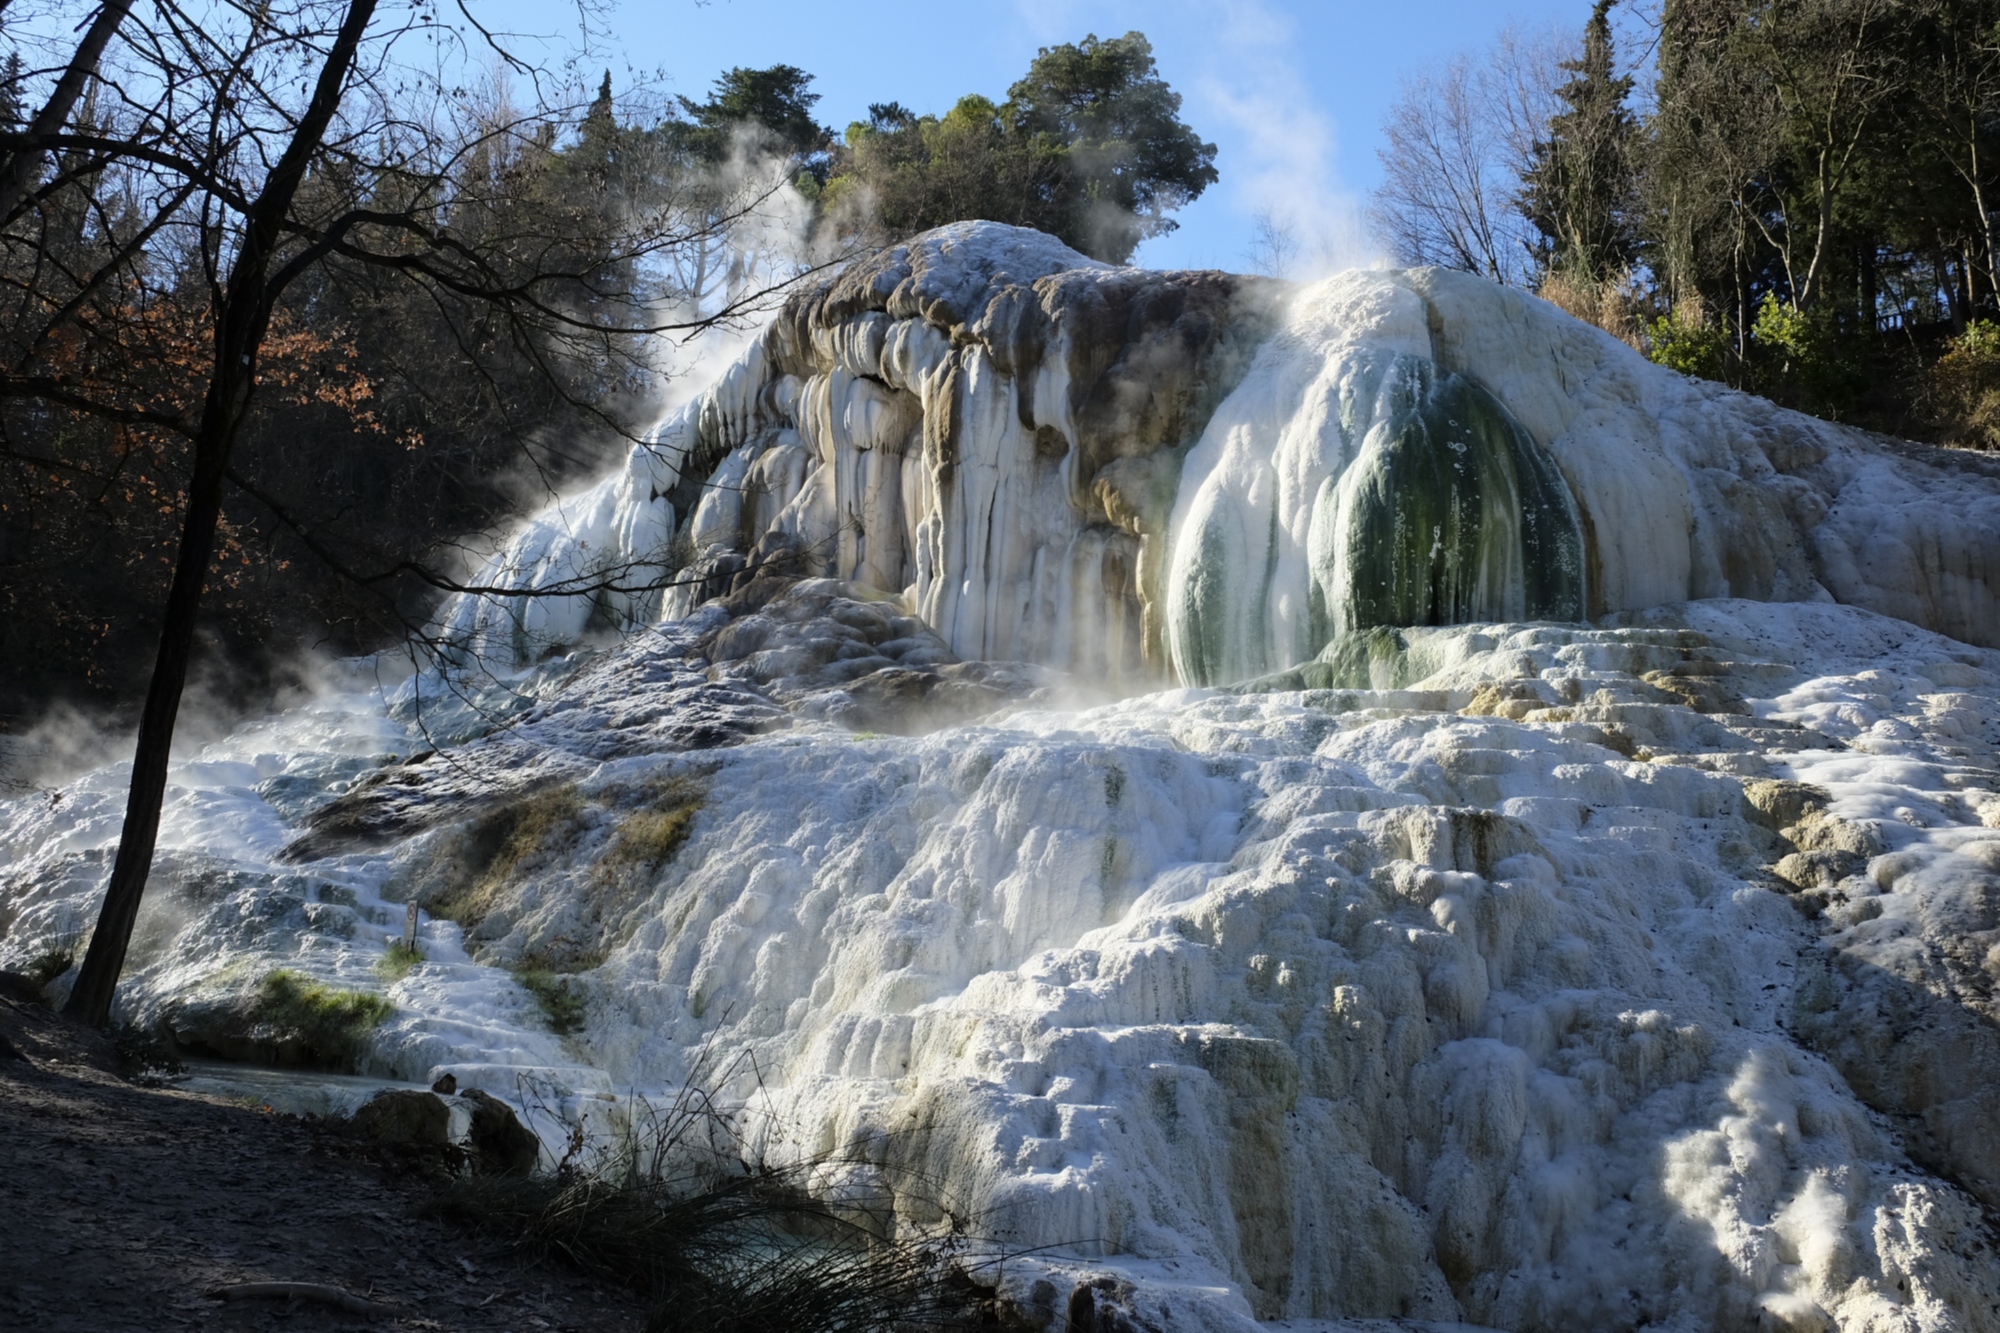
1494,879
982,421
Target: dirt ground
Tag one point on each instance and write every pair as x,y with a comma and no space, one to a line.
127,1208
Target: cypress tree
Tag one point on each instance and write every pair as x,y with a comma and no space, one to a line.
1579,189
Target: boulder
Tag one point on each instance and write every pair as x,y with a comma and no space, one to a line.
501,1145
404,1116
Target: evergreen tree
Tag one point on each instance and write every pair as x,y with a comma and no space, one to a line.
1112,153
1579,189
11,76
775,100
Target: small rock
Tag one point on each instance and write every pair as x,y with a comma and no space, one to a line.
446,1085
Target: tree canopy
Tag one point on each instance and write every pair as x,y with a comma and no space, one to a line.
1578,187
1793,195
1089,147
774,101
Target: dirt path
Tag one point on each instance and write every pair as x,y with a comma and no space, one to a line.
123,1208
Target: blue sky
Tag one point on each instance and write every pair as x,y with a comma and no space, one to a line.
1292,92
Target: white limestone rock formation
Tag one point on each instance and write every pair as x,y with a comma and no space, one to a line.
1558,977
981,422
1681,488
1620,958
1188,476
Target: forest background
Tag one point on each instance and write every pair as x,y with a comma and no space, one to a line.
1793,196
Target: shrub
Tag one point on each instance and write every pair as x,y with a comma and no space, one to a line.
1963,388
562,1000
1611,305
398,962
713,1241
1800,361
46,966
1683,341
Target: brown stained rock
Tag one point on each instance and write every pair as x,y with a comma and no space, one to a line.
501,1145
1149,355
404,1116
1777,805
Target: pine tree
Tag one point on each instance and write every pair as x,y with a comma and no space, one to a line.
1579,190
11,76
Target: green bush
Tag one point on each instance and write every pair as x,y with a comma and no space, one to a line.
561,999
398,962
1963,388
1800,360
1685,342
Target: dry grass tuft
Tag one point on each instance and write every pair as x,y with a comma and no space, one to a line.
1612,305
654,836
479,863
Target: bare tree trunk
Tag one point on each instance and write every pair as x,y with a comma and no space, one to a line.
244,315
1985,218
1871,300
17,177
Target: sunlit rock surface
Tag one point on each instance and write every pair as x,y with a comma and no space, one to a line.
1194,477
1611,961
981,421
1635,975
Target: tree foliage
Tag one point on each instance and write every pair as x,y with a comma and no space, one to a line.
223,229
1088,147
1796,196
773,104
1579,186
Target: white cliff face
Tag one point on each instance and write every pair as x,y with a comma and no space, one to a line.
982,423
1152,477
1678,488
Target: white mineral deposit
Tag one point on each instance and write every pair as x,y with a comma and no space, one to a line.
1362,802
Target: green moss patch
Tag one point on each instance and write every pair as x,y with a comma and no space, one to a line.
307,1022
560,996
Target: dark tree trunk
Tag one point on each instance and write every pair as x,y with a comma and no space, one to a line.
90,998
241,320
1870,290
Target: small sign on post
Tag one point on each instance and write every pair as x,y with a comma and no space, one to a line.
410,928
